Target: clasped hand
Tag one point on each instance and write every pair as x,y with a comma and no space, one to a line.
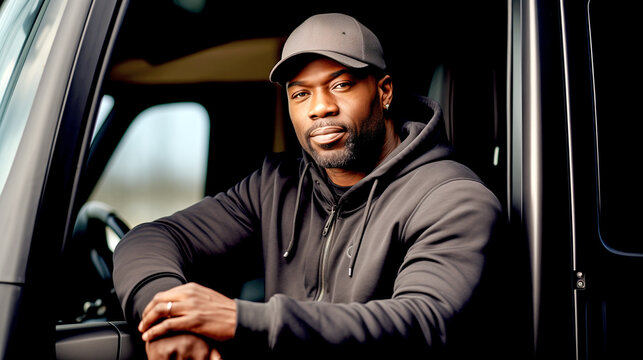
192,309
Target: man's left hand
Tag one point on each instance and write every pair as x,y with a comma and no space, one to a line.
190,308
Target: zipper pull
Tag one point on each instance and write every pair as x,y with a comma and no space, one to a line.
329,222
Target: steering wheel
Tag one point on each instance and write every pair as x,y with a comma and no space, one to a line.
94,218
87,266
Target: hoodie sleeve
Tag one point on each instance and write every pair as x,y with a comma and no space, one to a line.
447,235
157,256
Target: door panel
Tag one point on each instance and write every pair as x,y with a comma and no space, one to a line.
69,52
100,340
601,66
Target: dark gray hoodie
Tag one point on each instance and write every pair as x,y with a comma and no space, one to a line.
380,270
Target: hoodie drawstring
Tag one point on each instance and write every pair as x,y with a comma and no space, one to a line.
291,244
367,210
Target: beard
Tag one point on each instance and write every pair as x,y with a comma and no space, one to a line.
363,145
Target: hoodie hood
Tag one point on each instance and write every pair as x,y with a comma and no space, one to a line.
423,140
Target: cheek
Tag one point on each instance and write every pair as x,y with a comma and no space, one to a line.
359,105
357,116
299,126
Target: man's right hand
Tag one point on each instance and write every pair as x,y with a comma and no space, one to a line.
181,346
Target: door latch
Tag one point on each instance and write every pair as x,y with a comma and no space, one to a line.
579,280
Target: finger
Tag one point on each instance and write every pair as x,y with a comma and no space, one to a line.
156,300
150,316
174,294
158,307
161,297
159,311
167,326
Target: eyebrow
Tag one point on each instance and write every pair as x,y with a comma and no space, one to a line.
332,76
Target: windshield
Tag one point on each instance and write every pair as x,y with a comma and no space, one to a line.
17,20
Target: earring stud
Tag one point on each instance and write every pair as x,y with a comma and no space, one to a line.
386,106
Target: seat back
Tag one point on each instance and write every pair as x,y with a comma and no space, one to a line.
471,102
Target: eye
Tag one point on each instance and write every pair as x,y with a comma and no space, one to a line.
342,85
298,95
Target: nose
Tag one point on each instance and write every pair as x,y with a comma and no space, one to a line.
322,105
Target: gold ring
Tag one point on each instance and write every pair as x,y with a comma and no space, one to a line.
169,309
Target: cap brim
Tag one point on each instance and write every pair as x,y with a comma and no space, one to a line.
283,70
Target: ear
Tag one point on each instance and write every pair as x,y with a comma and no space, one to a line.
385,89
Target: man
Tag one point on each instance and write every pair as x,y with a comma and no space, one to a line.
372,242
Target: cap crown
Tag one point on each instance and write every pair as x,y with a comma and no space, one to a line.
337,36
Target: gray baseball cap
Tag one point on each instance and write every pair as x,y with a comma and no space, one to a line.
336,36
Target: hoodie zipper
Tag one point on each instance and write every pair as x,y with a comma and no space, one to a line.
327,233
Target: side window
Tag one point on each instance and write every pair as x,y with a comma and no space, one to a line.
617,79
106,106
18,22
159,166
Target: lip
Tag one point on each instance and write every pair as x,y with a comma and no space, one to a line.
327,134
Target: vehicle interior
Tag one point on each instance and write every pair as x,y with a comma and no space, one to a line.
197,73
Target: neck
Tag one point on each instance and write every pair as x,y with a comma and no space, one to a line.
344,177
